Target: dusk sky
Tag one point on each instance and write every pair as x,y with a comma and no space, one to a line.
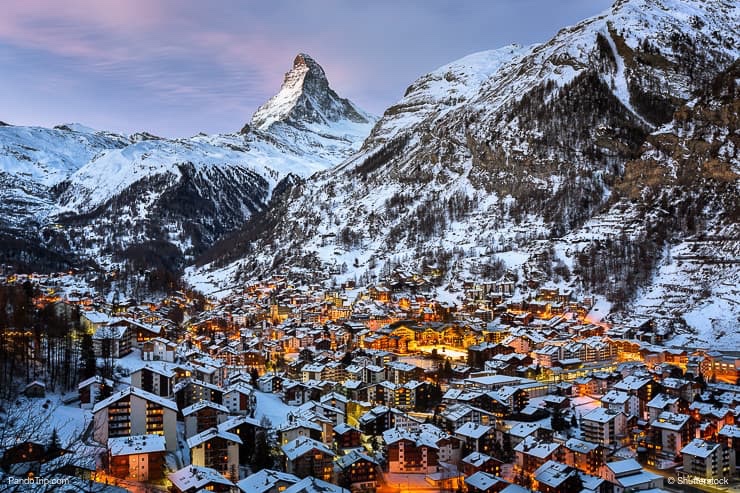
182,67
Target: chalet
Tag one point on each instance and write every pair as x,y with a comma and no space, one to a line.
191,479
420,449
297,428
532,453
400,373
555,477
620,402
671,432
509,400
138,457
730,435
661,403
154,379
158,349
91,390
346,436
190,391
710,460
217,449
453,417
477,438
477,461
585,456
642,390
245,428
357,471
308,457
91,321
239,399
35,389
134,411
604,426
520,431
203,415
270,382
584,386
112,341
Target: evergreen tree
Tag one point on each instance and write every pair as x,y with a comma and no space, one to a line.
87,354
262,458
557,420
54,447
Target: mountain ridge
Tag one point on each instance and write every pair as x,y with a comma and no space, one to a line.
95,194
535,153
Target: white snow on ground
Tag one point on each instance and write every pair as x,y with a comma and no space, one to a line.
35,419
271,407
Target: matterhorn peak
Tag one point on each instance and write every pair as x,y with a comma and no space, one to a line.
305,99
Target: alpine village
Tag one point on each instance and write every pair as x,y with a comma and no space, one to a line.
523,277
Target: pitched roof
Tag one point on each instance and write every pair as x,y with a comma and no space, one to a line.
135,391
211,433
265,480
302,445
196,478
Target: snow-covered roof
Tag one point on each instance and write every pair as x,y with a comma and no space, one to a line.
313,485
196,478
476,459
660,401
472,430
482,480
553,474
202,405
137,444
580,446
265,480
351,457
626,466
601,415
135,391
615,397
302,445
211,433
536,448
522,430
730,431
637,479
670,421
700,448
424,435
631,383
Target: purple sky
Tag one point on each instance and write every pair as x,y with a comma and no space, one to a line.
176,68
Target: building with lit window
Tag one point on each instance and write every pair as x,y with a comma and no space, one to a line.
218,449
709,460
134,411
139,458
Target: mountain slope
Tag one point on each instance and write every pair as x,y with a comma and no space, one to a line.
97,195
481,162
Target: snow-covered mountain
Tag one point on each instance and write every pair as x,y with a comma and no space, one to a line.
498,155
98,194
